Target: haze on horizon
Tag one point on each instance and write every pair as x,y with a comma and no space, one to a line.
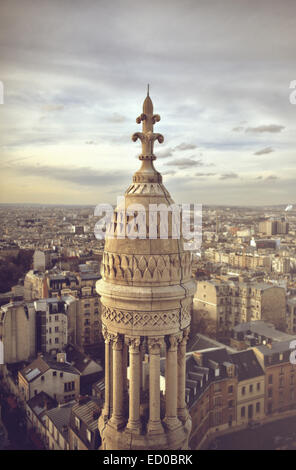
75,76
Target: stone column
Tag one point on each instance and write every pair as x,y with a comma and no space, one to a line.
171,386
108,371
117,418
181,403
124,372
154,423
142,353
134,383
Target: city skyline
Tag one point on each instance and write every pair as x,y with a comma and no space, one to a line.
75,78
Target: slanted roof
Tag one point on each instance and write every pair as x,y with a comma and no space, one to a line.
247,364
60,416
41,403
42,364
88,411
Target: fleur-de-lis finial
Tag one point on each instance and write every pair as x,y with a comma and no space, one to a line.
147,136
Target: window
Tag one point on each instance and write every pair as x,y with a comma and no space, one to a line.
61,374
88,435
54,373
270,393
56,329
270,379
258,407
243,412
56,318
251,388
42,378
56,340
258,386
69,386
77,422
243,390
230,404
230,389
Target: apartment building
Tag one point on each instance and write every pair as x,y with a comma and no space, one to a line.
228,303
211,391
83,428
84,324
56,323
17,331
250,388
280,376
59,380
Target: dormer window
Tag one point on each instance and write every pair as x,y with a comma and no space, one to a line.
77,422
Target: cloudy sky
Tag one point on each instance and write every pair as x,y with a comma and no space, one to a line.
75,75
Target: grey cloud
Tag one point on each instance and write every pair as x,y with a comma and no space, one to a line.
185,146
184,163
168,173
205,174
228,176
264,151
84,176
238,129
272,177
268,128
116,117
165,153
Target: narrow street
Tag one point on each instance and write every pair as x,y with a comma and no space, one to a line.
13,419
279,435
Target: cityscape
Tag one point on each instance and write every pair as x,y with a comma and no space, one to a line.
118,331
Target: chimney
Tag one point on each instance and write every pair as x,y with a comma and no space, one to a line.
61,357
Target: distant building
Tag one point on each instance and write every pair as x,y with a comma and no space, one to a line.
59,380
52,323
17,332
274,227
254,333
41,260
228,303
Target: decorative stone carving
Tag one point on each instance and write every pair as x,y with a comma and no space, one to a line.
108,337
133,342
117,343
141,319
172,341
154,344
146,268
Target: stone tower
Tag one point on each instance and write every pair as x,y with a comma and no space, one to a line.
146,293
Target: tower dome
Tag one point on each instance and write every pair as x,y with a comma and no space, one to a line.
146,294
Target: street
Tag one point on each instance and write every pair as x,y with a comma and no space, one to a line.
279,435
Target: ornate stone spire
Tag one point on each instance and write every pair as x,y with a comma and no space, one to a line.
146,293
147,137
